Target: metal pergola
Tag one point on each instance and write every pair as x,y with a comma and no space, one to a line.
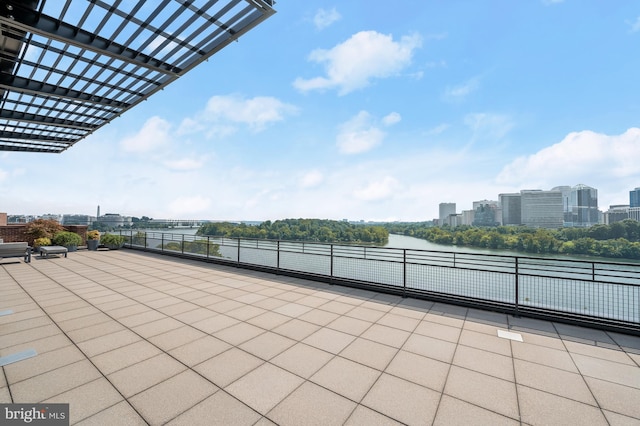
68,67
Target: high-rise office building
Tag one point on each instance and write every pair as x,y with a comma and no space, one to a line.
542,209
446,209
583,206
511,208
634,198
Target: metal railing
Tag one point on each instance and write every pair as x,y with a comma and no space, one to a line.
594,293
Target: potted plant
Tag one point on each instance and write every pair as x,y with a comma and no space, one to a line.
93,239
40,242
113,241
67,239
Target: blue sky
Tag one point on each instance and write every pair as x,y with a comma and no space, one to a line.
368,110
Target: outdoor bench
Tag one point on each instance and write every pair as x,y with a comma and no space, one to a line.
20,249
47,250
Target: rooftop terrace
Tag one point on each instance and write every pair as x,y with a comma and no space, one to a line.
132,338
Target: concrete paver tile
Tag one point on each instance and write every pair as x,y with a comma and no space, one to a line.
154,328
176,337
349,325
88,399
544,355
438,331
238,333
301,359
615,397
122,413
347,378
430,347
598,352
168,399
265,387
616,419
370,353
220,409
122,357
551,380
199,350
108,342
329,340
227,367
472,387
542,408
366,416
386,335
267,345
628,375
312,405
215,323
42,363
418,369
144,374
319,317
452,411
485,362
54,382
403,401
268,320
93,331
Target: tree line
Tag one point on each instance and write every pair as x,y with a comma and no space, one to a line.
319,230
617,240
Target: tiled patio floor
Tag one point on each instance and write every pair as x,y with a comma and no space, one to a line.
130,338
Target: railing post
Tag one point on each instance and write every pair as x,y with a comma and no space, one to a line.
161,240
278,258
331,267
517,283
145,239
593,271
238,251
454,259
208,244
182,245
404,272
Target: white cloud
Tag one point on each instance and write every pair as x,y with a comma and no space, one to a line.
606,162
190,206
257,112
311,179
3,175
153,135
324,18
184,164
635,26
489,126
378,190
438,129
461,91
550,2
391,119
359,135
352,64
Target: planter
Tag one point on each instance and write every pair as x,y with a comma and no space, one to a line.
72,248
93,244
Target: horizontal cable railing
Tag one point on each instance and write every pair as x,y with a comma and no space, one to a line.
596,293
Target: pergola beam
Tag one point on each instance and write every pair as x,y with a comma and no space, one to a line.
48,27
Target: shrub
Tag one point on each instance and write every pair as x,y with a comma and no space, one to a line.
112,240
43,228
67,239
41,242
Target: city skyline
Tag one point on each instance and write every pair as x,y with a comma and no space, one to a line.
341,110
